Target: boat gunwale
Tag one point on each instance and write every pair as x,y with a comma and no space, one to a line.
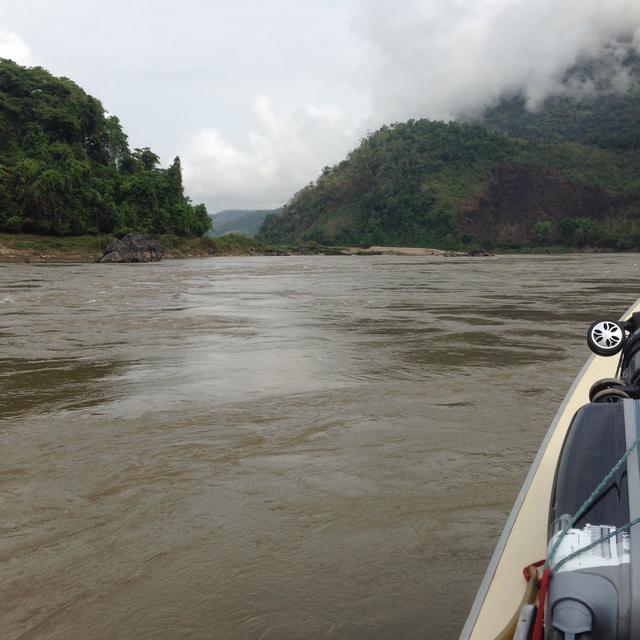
490,572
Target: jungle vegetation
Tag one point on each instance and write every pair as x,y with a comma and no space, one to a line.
66,167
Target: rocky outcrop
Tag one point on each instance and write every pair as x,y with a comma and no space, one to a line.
134,247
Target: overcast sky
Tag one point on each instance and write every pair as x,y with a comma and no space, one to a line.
256,96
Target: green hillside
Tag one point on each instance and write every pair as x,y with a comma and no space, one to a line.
568,173
66,167
244,221
401,185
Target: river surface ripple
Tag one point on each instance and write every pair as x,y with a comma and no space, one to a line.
303,447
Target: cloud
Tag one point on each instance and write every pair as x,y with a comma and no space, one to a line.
438,58
13,47
420,58
280,154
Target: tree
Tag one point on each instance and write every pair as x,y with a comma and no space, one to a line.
149,160
66,167
542,232
577,231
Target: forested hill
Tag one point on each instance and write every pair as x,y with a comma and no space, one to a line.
66,167
567,173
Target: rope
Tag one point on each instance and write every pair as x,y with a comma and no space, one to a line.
614,533
583,509
549,568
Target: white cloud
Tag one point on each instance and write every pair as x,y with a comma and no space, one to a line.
278,156
418,58
13,47
436,58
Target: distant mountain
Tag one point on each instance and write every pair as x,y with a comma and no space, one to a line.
566,173
245,222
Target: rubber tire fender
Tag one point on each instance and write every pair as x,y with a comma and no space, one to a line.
604,383
610,395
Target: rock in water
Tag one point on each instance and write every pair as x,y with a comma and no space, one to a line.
134,247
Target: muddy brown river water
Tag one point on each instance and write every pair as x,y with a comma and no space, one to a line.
274,448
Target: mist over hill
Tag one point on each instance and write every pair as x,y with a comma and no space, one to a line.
599,106
566,171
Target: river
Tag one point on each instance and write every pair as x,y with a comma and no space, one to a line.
275,448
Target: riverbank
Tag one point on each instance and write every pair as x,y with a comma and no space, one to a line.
393,251
37,248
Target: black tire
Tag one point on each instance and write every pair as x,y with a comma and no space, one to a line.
609,395
605,337
605,383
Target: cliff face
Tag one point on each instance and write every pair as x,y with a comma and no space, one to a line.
517,197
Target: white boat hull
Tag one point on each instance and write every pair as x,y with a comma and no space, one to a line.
524,538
